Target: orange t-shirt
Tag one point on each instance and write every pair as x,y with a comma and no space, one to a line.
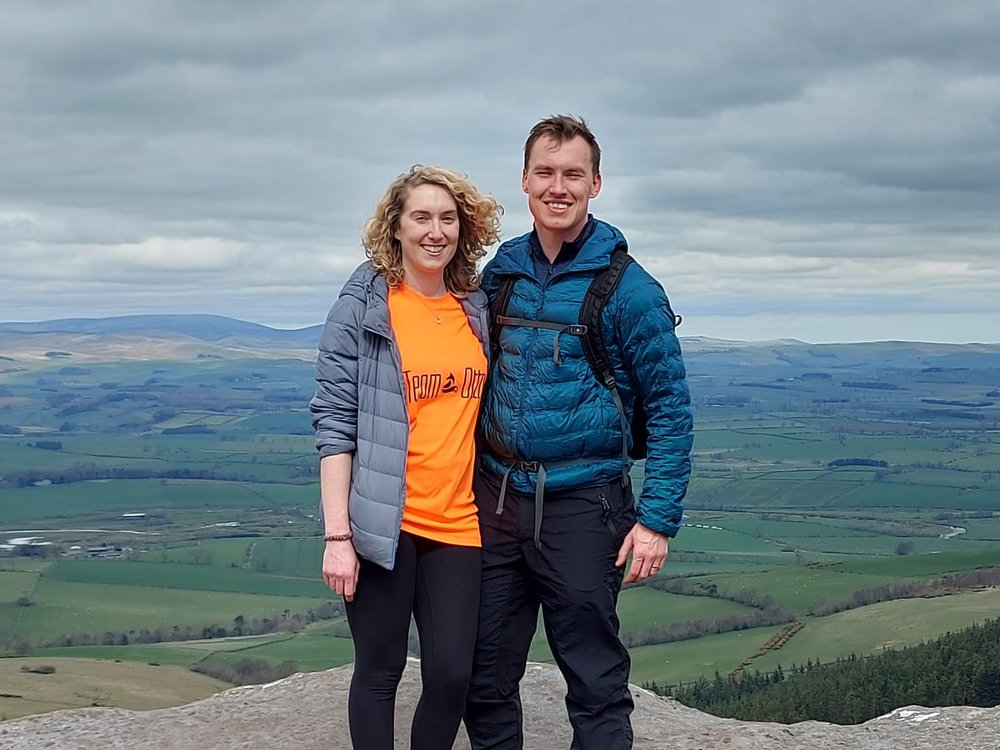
444,369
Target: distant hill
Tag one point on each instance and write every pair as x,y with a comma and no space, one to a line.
188,336
203,327
146,337
791,355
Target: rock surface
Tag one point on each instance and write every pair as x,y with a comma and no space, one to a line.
309,711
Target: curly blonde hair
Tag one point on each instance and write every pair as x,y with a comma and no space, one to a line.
478,219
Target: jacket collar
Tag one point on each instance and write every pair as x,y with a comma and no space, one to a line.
568,251
594,251
367,285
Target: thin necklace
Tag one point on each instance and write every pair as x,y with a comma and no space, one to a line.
419,296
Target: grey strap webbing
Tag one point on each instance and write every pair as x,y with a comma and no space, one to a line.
573,329
542,472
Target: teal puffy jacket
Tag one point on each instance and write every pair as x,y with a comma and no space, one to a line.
536,409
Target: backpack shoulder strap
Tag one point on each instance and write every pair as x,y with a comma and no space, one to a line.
498,308
602,286
598,293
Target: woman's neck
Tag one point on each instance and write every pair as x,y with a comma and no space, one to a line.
426,285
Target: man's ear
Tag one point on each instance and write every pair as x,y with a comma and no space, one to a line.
595,188
524,180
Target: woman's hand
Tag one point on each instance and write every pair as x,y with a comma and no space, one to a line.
340,568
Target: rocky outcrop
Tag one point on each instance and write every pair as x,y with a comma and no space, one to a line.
309,711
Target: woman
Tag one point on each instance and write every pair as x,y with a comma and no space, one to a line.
402,362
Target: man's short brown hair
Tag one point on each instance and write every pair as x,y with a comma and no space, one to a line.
562,128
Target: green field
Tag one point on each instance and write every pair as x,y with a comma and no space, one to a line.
311,652
113,497
14,584
642,607
82,683
185,576
62,608
225,552
870,629
686,661
797,587
806,486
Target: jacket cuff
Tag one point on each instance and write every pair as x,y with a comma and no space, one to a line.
659,525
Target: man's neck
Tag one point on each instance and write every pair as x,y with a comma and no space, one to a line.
552,242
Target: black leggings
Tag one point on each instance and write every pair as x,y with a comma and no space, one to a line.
439,585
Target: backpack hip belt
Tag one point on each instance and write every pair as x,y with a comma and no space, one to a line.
541,469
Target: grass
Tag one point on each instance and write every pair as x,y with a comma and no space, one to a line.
23,505
15,583
185,576
310,652
797,587
79,683
698,538
920,566
988,529
884,546
870,629
643,607
222,552
66,607
164,654
686,661
897,494
753,524
290,557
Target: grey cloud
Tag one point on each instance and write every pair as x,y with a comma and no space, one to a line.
222,157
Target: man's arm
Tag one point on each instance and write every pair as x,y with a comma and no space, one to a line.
644,324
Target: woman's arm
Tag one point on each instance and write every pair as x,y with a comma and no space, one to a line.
340,563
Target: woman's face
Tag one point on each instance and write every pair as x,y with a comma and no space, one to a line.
428,234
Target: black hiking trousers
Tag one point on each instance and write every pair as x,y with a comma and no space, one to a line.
573,578
438,584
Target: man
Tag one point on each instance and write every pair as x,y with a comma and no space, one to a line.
556,510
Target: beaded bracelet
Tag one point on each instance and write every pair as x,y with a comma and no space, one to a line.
339,537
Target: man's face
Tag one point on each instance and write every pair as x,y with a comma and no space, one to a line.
560,181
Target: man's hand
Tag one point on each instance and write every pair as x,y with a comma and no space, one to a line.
649,551
340,568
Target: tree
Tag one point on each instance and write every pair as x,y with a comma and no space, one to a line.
18,645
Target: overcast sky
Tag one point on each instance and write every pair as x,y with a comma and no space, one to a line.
827,171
